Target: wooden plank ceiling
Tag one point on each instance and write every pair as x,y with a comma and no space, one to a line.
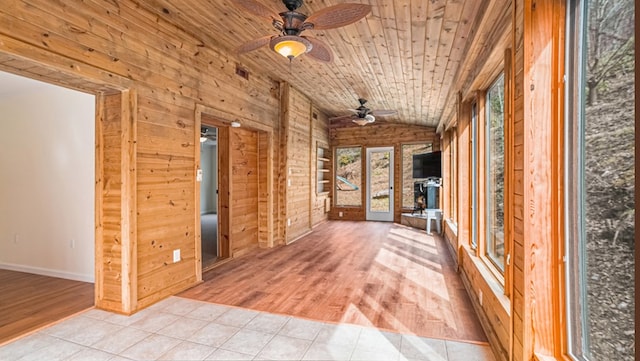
403,56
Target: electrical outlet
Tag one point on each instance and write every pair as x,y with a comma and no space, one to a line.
288,222
176,255
339,214
480,297
15,238
72,243
289,182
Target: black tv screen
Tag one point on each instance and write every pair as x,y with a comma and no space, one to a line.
427,165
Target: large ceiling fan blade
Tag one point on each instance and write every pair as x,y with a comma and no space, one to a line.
253,44
336,16
258,9
381,113
319,50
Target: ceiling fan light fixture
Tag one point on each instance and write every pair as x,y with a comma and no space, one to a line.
361,121
290,46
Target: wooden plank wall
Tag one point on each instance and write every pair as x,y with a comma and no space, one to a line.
542,100
518,286
302,127
379,135
171,71
109,190
485,61
265,228
244,183
298,165
521,318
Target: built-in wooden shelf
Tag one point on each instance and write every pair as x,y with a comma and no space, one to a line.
323,170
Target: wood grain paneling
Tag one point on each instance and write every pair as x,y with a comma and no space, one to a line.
518,285
403,55
302,128
265,201
542,120
116,259
244,195
484,61
298,165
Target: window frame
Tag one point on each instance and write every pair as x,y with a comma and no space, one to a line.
474,140
478,179
487,178
336,162
453,175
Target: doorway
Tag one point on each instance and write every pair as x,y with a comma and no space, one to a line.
213,194
380,184
209,196
47,270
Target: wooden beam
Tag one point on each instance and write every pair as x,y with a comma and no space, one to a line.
128,200
543,71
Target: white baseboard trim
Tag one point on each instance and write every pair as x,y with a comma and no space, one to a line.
48,272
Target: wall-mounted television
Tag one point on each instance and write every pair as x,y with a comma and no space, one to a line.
427,165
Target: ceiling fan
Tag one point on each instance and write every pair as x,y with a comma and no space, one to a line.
207,134
289,43
363,115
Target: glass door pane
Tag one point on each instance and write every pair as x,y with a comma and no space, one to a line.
380,184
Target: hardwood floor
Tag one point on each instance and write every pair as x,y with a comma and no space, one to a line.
29,302
370,273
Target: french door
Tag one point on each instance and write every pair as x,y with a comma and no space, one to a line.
380,184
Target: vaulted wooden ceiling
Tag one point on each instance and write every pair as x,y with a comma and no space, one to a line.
403,56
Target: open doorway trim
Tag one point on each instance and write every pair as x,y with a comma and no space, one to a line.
116,288
223,120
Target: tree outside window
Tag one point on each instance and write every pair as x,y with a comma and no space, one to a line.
495,173
348,176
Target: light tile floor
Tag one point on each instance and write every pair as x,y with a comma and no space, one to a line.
184,329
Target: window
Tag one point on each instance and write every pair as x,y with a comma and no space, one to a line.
408,150
494,171
599,180
487,176
453,181
474,176
348,176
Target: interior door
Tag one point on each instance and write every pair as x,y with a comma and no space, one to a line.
380,184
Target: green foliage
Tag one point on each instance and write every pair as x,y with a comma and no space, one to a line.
348,156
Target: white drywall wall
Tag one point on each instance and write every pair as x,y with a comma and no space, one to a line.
47,162
209,165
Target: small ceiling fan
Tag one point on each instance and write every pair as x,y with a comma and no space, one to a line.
289,43
208,134
363,115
